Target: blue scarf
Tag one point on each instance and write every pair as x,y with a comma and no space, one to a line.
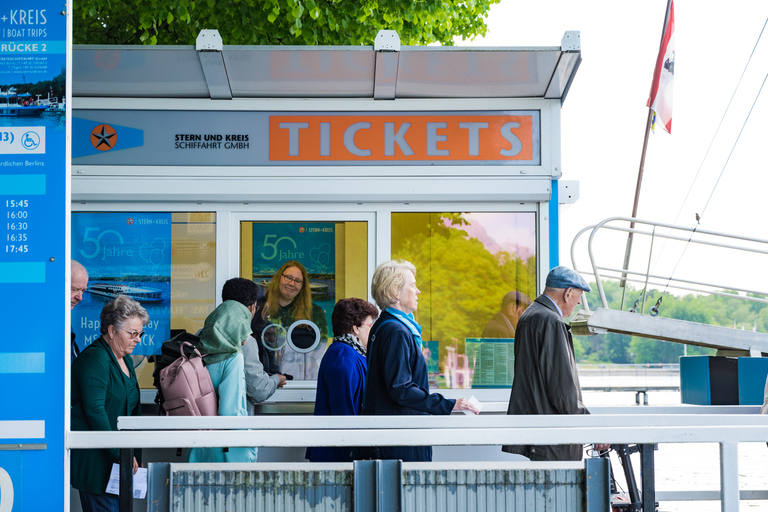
410,323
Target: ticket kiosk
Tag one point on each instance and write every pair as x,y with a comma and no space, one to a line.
192,165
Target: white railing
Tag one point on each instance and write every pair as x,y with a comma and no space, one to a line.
649,234
646,425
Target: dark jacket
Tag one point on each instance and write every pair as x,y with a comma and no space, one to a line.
398,383
499,327
340,387
100,393
546,378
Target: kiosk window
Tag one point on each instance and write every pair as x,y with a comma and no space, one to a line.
335,256
164,260
476,272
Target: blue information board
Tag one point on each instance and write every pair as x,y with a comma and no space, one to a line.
33,216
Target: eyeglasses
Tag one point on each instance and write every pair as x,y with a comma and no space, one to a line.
294,280
134,334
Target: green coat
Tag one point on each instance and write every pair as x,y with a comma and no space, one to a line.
100,393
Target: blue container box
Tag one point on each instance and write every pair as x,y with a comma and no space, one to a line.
709,380
752,374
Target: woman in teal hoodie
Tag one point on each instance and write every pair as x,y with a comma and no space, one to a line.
222,337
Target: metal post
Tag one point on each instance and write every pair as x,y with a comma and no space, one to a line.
378,485
597,484
729,477
648,477
126,480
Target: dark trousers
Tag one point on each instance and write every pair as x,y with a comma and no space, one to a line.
99,502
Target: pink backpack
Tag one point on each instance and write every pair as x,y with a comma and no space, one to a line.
187,387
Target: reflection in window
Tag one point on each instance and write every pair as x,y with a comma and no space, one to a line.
467,263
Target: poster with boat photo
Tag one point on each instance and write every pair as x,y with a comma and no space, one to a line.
32,73
313,244
125,254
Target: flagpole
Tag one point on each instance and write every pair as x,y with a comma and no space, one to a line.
628,251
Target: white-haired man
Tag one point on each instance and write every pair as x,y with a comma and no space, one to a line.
78,284
546,378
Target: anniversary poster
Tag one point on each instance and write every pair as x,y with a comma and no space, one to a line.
124,254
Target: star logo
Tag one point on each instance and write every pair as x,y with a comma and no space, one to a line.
130,221
301,229
103,137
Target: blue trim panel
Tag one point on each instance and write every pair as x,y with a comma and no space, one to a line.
554,226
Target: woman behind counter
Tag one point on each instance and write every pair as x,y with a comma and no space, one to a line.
341,380
221,341
104,386
398,381
287,300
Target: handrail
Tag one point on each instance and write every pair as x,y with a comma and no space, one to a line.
727,242
298,431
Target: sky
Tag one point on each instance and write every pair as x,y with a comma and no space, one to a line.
604,116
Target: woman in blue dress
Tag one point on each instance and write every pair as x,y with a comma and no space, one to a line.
341,379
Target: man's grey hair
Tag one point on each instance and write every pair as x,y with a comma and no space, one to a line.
76,267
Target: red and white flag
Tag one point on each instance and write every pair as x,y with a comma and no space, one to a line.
664,73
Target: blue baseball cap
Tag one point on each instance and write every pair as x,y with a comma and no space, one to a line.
564,277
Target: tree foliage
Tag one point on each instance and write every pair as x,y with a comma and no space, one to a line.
461,281
278,22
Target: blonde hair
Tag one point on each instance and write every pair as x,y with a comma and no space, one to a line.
388,280
303,301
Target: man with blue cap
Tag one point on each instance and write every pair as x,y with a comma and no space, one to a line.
546,379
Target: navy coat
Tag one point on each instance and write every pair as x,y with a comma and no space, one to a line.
398,383
340,387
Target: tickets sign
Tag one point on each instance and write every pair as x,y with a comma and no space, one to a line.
401,137
332,139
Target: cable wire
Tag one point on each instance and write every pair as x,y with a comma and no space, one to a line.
725,165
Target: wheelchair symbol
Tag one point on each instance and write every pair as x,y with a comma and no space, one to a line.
30,140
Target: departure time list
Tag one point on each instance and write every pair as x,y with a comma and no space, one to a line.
16,226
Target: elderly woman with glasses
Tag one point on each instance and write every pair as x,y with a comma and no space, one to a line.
341,380
398,380
288,299
104,386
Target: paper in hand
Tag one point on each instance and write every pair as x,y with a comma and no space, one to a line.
474,401
139,482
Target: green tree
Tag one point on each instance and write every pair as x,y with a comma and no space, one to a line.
278,22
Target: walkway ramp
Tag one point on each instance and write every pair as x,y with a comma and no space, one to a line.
689,249
669,329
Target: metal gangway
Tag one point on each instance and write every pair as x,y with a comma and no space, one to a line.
650,240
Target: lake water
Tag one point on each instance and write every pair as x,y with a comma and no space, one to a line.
690,466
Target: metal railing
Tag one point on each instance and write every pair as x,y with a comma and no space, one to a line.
656,231
631,425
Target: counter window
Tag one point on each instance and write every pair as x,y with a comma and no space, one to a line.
334,256
476,273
